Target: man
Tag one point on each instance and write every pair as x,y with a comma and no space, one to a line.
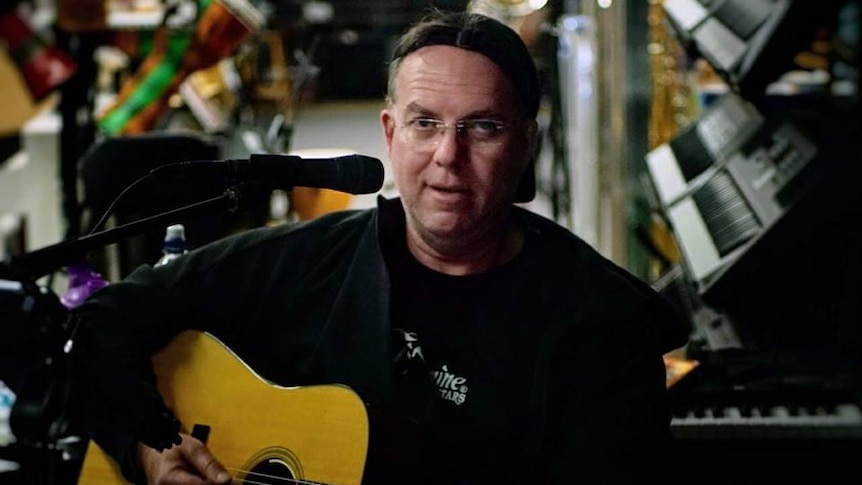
512,348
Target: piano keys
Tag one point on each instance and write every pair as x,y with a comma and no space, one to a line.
742,423
828,420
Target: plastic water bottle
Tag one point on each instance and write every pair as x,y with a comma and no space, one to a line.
175,244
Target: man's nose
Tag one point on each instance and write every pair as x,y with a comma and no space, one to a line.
450,145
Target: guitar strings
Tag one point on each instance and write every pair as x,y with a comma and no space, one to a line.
262,476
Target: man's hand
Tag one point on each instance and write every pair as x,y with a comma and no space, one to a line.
189,463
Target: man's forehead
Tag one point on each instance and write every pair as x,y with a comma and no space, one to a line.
434,110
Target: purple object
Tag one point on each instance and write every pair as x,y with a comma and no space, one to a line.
82,282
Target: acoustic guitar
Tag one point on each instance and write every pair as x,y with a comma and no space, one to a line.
263,433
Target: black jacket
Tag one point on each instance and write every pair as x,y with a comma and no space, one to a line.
307,303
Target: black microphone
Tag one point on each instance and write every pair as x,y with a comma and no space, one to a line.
354,174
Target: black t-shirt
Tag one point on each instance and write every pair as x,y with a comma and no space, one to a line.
464,353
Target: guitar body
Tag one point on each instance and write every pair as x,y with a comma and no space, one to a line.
316,434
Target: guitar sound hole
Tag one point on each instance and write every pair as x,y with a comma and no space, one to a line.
272,471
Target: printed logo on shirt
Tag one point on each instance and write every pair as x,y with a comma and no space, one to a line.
409,350
450,386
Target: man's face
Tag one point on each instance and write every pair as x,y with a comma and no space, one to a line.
455,184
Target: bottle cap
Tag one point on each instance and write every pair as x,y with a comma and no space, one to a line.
175,231
175,238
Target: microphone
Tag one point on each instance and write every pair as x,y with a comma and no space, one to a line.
354,174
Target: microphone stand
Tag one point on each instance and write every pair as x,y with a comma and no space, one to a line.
51,258
38,416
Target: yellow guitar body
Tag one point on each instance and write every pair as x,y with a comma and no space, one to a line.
316,434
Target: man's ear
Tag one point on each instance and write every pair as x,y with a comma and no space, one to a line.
532,134
527,183
387,124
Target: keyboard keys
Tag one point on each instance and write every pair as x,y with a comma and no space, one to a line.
770,421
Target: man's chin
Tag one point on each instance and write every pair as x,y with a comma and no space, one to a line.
442,223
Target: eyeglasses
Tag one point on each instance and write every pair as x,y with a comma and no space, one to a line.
479,132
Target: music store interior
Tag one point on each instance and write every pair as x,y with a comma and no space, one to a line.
707,146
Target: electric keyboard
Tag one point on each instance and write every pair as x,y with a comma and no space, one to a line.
839,420
729,430
772,406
